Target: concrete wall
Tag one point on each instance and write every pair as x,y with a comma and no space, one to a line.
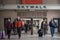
33,14
59,1
51,14
0,20
0,1
9,1
51,1
7,14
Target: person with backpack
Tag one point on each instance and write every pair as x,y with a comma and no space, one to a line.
52,25
19,26
44,26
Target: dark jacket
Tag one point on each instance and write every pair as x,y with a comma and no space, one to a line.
51,24
9,25
43,26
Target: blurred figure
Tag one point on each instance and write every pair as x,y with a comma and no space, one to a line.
19,26
52,25
23,27
44,26
26,27
9,27
14,27
23,23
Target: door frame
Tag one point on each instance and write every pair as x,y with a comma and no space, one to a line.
5,21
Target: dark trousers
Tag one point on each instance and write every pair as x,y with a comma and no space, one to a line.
19,32
26,29
15,31
44,31
8,33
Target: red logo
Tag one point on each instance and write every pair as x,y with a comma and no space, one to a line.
31,1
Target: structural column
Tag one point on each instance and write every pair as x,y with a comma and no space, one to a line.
31,26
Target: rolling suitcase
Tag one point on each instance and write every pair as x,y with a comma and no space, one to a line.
40,32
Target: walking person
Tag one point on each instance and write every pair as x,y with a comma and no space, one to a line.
19,26
14,27
9,27
26,27
44,26
52,25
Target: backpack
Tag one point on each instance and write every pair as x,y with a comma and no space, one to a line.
19,24
43,26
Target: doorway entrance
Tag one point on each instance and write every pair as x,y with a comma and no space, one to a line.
5,22
36,23
57,20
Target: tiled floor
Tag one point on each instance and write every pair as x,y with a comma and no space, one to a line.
33,37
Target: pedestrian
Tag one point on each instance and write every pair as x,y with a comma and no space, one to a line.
19,26
9,27
26,27
23,27
14,28
52,25
44,26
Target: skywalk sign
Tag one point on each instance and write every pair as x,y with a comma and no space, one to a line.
31,7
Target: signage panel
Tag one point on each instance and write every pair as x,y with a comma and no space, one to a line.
31,1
